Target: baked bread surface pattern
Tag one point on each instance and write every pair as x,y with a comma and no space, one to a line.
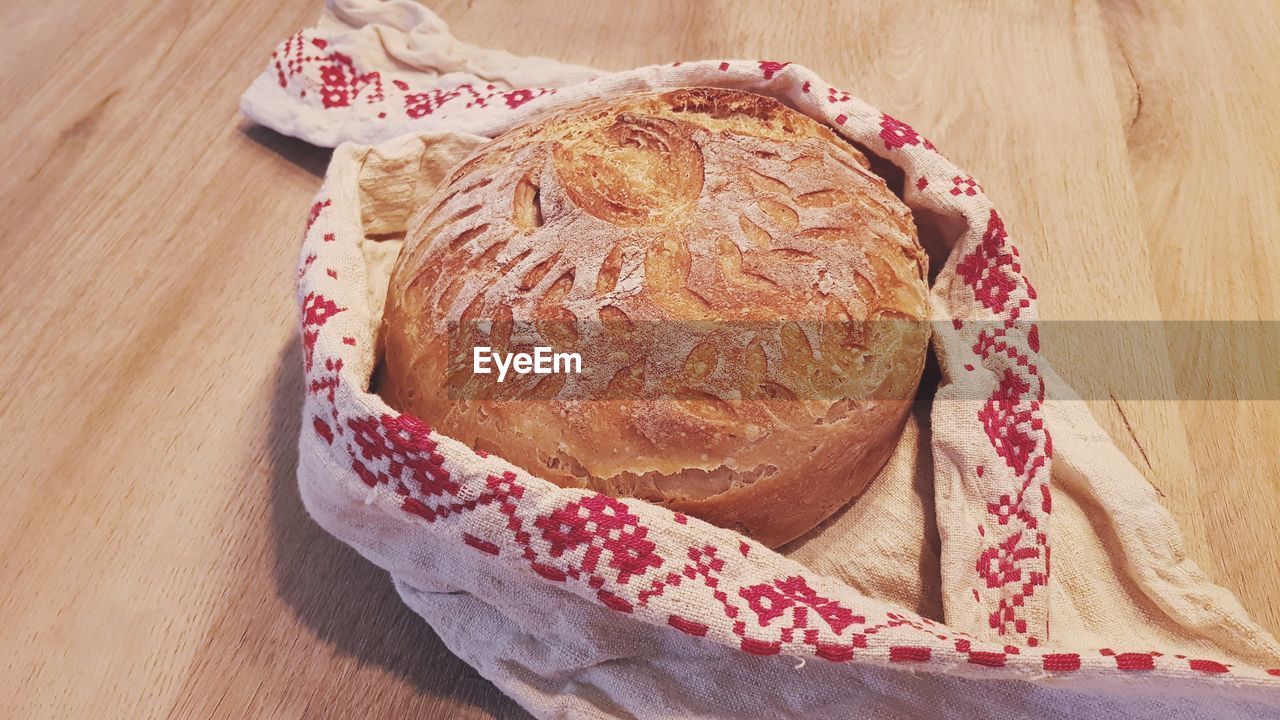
729,271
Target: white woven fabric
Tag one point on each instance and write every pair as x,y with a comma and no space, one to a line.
933,594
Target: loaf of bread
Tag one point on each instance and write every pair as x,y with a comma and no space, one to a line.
747,298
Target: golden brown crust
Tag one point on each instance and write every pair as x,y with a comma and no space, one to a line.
713,256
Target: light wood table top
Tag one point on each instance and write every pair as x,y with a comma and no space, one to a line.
155,559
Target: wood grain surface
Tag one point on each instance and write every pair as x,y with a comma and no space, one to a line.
155,559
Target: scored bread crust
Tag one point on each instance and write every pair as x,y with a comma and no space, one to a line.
724,266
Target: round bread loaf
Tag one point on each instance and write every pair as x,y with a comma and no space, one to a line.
747,298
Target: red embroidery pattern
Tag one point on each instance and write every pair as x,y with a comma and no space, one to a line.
316,311
603,526
322,429
341,83
305,65
965,185
896,133
399,449
1015,560
306,265
417,105
325,385
769,68
316,208
336,78
628,556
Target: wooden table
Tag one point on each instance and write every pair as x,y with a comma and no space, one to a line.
156,557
